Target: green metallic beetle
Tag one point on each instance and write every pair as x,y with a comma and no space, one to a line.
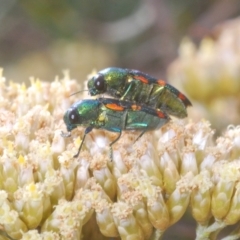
113,115
137,87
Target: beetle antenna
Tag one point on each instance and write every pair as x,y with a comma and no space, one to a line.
77,92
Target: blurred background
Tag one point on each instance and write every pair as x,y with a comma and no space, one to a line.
193,44
42,37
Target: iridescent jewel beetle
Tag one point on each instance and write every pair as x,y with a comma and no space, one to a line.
113,115
137,87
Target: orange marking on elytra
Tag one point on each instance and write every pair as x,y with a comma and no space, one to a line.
142,79
135,107
114,106
161,114
161,82
181,96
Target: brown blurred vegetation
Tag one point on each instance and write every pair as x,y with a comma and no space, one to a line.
42,37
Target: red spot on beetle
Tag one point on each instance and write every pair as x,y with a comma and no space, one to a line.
114,106
161,114
161,82
142,79
136,107
184,99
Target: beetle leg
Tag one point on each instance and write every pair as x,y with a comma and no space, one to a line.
140,135
128,90
110,145
87,130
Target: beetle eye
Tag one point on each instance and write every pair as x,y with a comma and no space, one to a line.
74,117
99,82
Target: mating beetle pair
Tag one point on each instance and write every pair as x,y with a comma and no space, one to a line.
141,103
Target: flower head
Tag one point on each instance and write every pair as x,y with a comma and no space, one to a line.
147,187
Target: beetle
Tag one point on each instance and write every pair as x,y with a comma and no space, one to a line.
141,88
113,115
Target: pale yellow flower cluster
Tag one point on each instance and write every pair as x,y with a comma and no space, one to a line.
47,194
210,75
